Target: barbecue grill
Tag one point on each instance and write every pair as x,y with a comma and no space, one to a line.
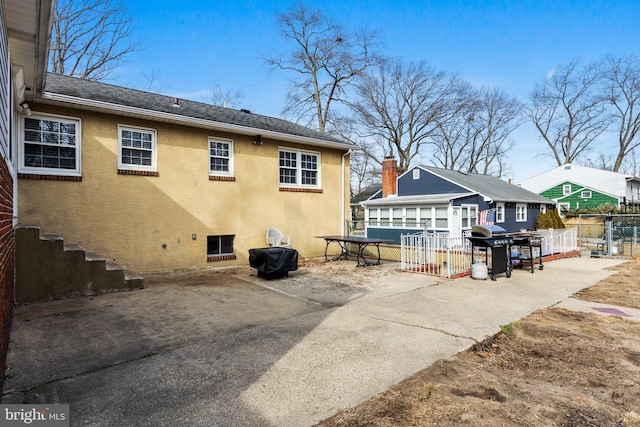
528,244
495,238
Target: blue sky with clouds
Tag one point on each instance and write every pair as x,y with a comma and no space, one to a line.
192,45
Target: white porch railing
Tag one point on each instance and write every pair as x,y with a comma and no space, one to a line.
440,254
435,253
559,241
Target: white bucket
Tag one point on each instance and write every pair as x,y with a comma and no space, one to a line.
479,270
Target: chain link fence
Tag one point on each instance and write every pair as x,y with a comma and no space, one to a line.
607,235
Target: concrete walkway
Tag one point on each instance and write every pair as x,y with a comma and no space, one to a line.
337,345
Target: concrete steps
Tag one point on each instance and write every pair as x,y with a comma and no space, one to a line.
47,267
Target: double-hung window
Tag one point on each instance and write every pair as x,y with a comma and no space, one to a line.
469,215
500,212
299,168
521,212
50,145
220,157
137,149
442,217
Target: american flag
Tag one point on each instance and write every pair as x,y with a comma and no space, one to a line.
487,217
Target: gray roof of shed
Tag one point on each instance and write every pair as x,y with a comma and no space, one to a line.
491,187
60,89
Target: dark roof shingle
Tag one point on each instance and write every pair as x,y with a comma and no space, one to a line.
118,95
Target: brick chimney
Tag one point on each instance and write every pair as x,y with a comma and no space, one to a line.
389,176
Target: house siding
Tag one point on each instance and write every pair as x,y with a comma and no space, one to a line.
147,222
614,184
576,200
427,184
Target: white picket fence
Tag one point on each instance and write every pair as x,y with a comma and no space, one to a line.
441,255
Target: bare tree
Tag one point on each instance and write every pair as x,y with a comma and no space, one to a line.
455,132
399,106
90,38
154,82
324,61
224,97
622,76
496,117
476,138
569,111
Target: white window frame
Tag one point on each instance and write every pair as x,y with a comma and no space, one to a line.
441,222
426,216
468,217
397,217
411,217
586,194
372,220
220,238
299,169
22,168
521,212
566,189
229,158
154,149
383,215
499,212
562,207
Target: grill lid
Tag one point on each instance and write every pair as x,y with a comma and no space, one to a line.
487,230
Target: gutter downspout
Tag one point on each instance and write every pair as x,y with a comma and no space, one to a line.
342,219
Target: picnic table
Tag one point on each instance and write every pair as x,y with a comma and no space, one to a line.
360,242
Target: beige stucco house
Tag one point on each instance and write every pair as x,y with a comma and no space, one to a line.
158,183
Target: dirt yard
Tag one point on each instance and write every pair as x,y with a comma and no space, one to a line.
552,368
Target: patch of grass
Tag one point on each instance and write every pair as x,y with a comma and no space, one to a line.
508,329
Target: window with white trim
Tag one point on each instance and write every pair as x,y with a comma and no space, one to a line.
373,216
384,216
220,157
49,145
426,216
566,189
220,245
137,148
442,217
411,217
521,212
469,216
563,208
499,212
585,195
299,168
397,217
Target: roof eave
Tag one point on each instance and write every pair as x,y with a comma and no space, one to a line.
43,43
415,200
193,121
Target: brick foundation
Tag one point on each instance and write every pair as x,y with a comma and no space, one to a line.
7,251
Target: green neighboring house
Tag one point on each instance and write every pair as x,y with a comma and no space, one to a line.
571,196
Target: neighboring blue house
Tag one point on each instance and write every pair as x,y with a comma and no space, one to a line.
443,200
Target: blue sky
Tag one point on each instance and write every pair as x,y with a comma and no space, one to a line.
192,45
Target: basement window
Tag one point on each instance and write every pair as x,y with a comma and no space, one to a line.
220,248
